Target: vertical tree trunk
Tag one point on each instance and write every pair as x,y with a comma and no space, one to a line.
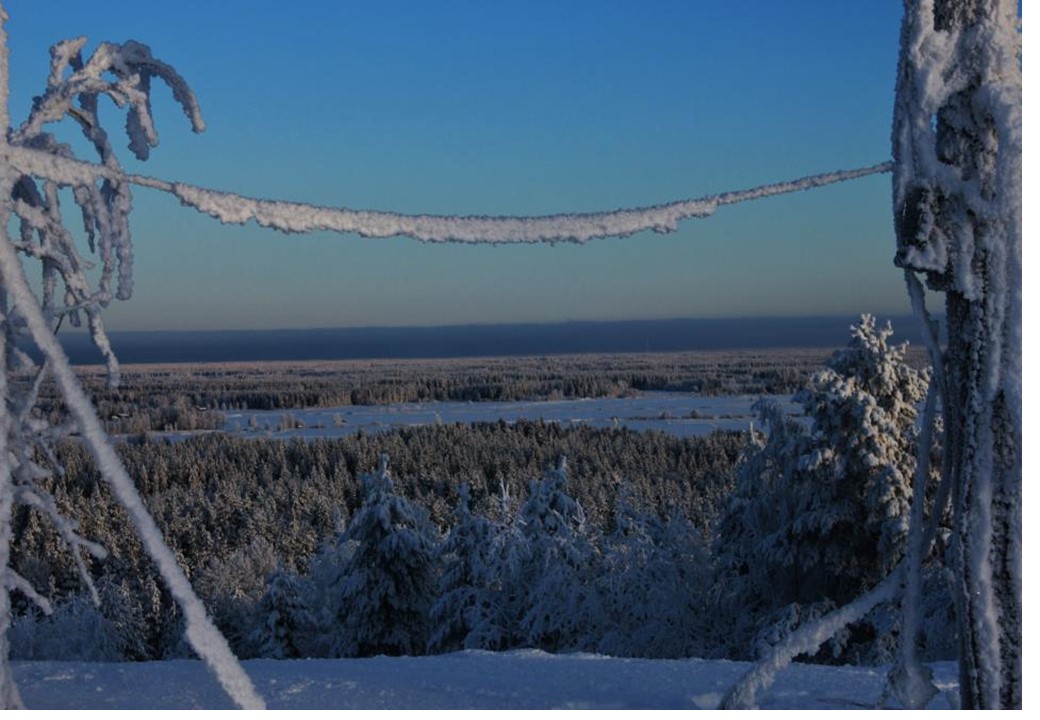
9,697
957,201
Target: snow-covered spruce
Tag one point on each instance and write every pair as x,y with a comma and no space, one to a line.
652,581
466,606
561,604
821,514
389,580
283,617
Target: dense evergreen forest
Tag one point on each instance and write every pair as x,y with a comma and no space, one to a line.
493,535
235,510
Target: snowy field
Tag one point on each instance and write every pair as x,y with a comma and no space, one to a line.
525,679
681,414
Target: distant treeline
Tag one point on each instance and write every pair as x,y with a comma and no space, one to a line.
194,397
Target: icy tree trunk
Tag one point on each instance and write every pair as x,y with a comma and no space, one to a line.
9,698
957,202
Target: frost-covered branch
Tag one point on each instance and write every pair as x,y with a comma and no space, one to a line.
205,638
123,73
910,681
808,639
14,581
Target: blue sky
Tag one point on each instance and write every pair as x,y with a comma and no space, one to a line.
504,108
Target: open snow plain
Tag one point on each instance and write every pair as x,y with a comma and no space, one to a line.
681,414
522,679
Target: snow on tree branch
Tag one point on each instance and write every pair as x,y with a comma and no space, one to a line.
204,637
123,73
807,639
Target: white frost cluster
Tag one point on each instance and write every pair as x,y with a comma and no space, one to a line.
123,73
30,196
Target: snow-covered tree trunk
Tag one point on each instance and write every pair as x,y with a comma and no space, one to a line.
8,692
957,143
9,698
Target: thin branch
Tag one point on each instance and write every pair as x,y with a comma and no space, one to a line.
202,634
807,639
910,681
14,581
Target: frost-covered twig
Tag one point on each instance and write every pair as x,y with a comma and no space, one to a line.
9,697
14,581
807,639
910,681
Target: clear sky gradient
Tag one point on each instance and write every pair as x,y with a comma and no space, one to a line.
524,107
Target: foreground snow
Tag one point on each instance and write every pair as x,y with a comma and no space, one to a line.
525,679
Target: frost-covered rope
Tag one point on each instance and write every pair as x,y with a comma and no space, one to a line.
291,217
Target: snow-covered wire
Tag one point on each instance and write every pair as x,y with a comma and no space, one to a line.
290,217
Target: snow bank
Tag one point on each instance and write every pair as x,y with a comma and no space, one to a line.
525,679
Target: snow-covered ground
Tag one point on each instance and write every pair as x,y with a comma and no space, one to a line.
681,414
525,679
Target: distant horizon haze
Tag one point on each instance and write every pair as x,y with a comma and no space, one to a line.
480,340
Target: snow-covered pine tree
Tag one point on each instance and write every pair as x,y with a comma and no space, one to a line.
75,631
389,581
561,603
758,509
465,606
321,591
652,581
849,527
232,588
821,513
282,617
496,626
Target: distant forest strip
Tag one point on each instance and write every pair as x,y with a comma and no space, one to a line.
194,397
